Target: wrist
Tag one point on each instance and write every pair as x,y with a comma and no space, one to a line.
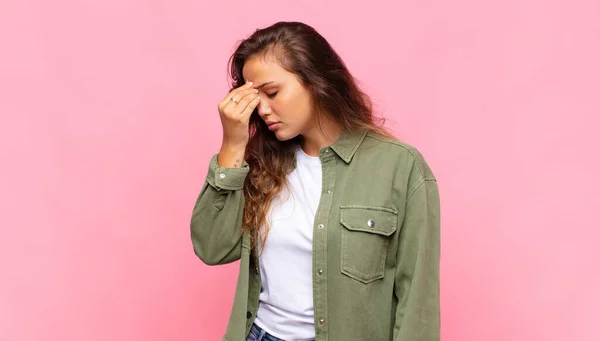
233,146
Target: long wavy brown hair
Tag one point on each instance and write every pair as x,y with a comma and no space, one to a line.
301,50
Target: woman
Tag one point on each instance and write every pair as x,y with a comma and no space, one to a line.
335,222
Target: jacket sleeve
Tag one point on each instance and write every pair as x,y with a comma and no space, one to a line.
217,215
417,274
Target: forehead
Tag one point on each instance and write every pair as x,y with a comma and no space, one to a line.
260,69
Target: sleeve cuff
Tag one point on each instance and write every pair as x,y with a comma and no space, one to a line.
226,178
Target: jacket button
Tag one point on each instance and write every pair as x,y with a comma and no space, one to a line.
248,314
371,223
321,271
321,321
222,176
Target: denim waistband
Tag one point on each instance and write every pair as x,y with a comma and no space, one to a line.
262,335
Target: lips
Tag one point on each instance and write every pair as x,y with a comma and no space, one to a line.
272,125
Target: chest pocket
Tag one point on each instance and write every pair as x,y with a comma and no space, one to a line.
365,237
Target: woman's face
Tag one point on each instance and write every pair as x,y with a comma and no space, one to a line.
284,101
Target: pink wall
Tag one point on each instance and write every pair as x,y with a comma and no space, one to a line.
108,120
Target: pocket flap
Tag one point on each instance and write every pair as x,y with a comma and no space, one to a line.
373,219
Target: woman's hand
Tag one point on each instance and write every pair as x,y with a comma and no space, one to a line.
235,110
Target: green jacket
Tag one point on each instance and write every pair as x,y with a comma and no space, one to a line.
376,242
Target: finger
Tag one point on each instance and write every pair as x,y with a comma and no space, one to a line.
232,93
250,108
243,93
241,96
237,93
244,103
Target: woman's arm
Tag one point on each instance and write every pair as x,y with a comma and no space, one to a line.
417,274
217,215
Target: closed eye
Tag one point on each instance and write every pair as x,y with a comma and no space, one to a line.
273,94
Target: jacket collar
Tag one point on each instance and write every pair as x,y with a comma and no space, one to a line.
347,143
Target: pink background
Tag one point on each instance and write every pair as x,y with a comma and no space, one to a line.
108,121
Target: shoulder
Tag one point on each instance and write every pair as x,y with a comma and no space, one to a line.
406,157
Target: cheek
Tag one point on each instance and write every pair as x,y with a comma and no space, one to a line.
283,106
292,106
300,103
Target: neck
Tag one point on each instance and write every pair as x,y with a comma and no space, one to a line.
315,139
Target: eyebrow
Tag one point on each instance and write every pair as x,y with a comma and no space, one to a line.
260,86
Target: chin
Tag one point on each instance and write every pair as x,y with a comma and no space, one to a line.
282,136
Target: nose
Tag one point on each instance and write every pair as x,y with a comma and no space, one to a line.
263,108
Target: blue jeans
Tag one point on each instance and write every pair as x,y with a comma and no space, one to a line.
259,334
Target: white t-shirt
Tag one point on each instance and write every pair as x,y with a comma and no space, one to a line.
286,299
